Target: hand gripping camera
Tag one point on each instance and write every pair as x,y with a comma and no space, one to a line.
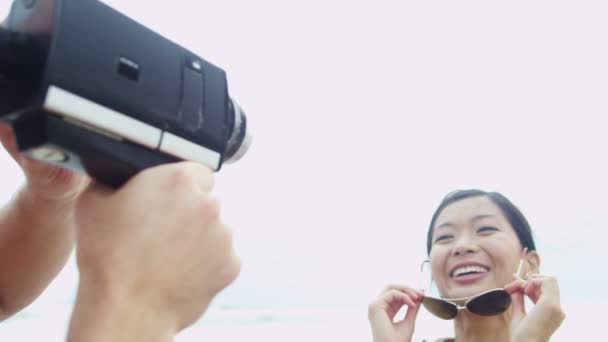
87,88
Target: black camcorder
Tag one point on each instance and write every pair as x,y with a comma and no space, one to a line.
87,88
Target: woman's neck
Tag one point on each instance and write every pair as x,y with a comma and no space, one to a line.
472,328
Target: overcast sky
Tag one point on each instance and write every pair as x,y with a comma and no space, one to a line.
366,113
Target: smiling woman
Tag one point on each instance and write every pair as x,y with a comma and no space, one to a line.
479,245
474,228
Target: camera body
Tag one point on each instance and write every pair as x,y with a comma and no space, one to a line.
87,88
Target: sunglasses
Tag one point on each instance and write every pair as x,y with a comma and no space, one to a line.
488,303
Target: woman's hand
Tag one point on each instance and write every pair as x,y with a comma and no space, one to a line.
546,316
382,311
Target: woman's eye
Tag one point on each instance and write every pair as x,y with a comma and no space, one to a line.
487,229
443,238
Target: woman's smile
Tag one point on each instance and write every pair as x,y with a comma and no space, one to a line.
465,273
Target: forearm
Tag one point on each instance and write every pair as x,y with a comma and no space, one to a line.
105,314
36,239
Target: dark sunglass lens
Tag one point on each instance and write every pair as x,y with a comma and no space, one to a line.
491,303
440,308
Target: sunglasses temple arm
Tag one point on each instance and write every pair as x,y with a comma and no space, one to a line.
521,262
422,283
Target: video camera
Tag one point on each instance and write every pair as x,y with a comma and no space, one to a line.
89,89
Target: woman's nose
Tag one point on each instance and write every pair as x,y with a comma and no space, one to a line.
464,245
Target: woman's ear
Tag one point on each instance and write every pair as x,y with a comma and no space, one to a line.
532,261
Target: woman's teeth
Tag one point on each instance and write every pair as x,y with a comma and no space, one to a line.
469,269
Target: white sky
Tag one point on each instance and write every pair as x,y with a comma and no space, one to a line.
367,112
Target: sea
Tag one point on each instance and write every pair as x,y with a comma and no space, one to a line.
49,322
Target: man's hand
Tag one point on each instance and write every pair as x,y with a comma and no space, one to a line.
44,181
152,255
36,229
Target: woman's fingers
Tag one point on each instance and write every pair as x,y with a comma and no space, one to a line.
412,312
393,298
533,289
384,308
398,297
516,285
398,300
405,289
541,287
547,314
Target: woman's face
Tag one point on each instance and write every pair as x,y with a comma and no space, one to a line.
474,248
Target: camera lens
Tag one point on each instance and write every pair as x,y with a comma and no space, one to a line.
241,138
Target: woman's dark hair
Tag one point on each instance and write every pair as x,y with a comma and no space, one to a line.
511,212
